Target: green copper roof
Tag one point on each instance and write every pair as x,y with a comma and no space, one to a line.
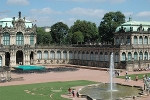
8,21
134,24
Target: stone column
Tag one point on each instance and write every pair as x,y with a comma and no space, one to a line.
3,59
67,55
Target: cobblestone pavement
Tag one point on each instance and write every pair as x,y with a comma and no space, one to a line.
81,74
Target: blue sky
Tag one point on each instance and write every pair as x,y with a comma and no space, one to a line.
48,12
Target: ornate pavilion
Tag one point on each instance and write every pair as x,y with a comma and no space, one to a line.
131,47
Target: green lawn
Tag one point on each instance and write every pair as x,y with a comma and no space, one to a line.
140,76
40,91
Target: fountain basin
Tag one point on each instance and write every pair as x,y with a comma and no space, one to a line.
29,67
102,92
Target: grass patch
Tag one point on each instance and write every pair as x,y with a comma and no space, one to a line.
40,91
140,76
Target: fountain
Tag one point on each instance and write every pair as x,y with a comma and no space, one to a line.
111,71
111,90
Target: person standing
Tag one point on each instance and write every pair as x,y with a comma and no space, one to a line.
73,93
136,78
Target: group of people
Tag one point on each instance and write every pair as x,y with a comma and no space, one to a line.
128,78
71,91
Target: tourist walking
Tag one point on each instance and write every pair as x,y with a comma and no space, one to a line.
126,78
73,94
69,90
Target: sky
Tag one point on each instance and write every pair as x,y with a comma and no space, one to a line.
48,12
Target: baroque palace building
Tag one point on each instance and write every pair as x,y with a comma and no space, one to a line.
131,47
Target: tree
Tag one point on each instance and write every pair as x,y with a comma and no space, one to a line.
108,25
77,37
59,32
88,29
43,37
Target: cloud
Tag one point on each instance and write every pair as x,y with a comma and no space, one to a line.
143,14
86,12
44,11
17,2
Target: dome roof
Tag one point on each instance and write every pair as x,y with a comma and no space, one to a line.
134,25
8,21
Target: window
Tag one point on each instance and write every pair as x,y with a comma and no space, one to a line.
31,39
129,56
45,54
106,56
58,55
19,38
123,56
91,56
64,54
52,55
135,40
70,55
141,56
116,57
6,39
83,55
135,56
39,55
140,40
145,56
101,56
145,40
128,40
117,41
96,56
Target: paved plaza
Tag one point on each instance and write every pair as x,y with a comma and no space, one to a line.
81,74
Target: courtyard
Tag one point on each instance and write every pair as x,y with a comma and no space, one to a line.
81,74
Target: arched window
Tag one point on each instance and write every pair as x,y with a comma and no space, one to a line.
45,54
123,56
39,55
87,56
141,56
91,56
31,39
116,57
75,55
96,56
58,55
19,38
79,55
145,56
6,39
135,40
106,56
52,55
70,55
101,56
135,56
140,40
83,56
0,60
146,40
64,54
129,56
